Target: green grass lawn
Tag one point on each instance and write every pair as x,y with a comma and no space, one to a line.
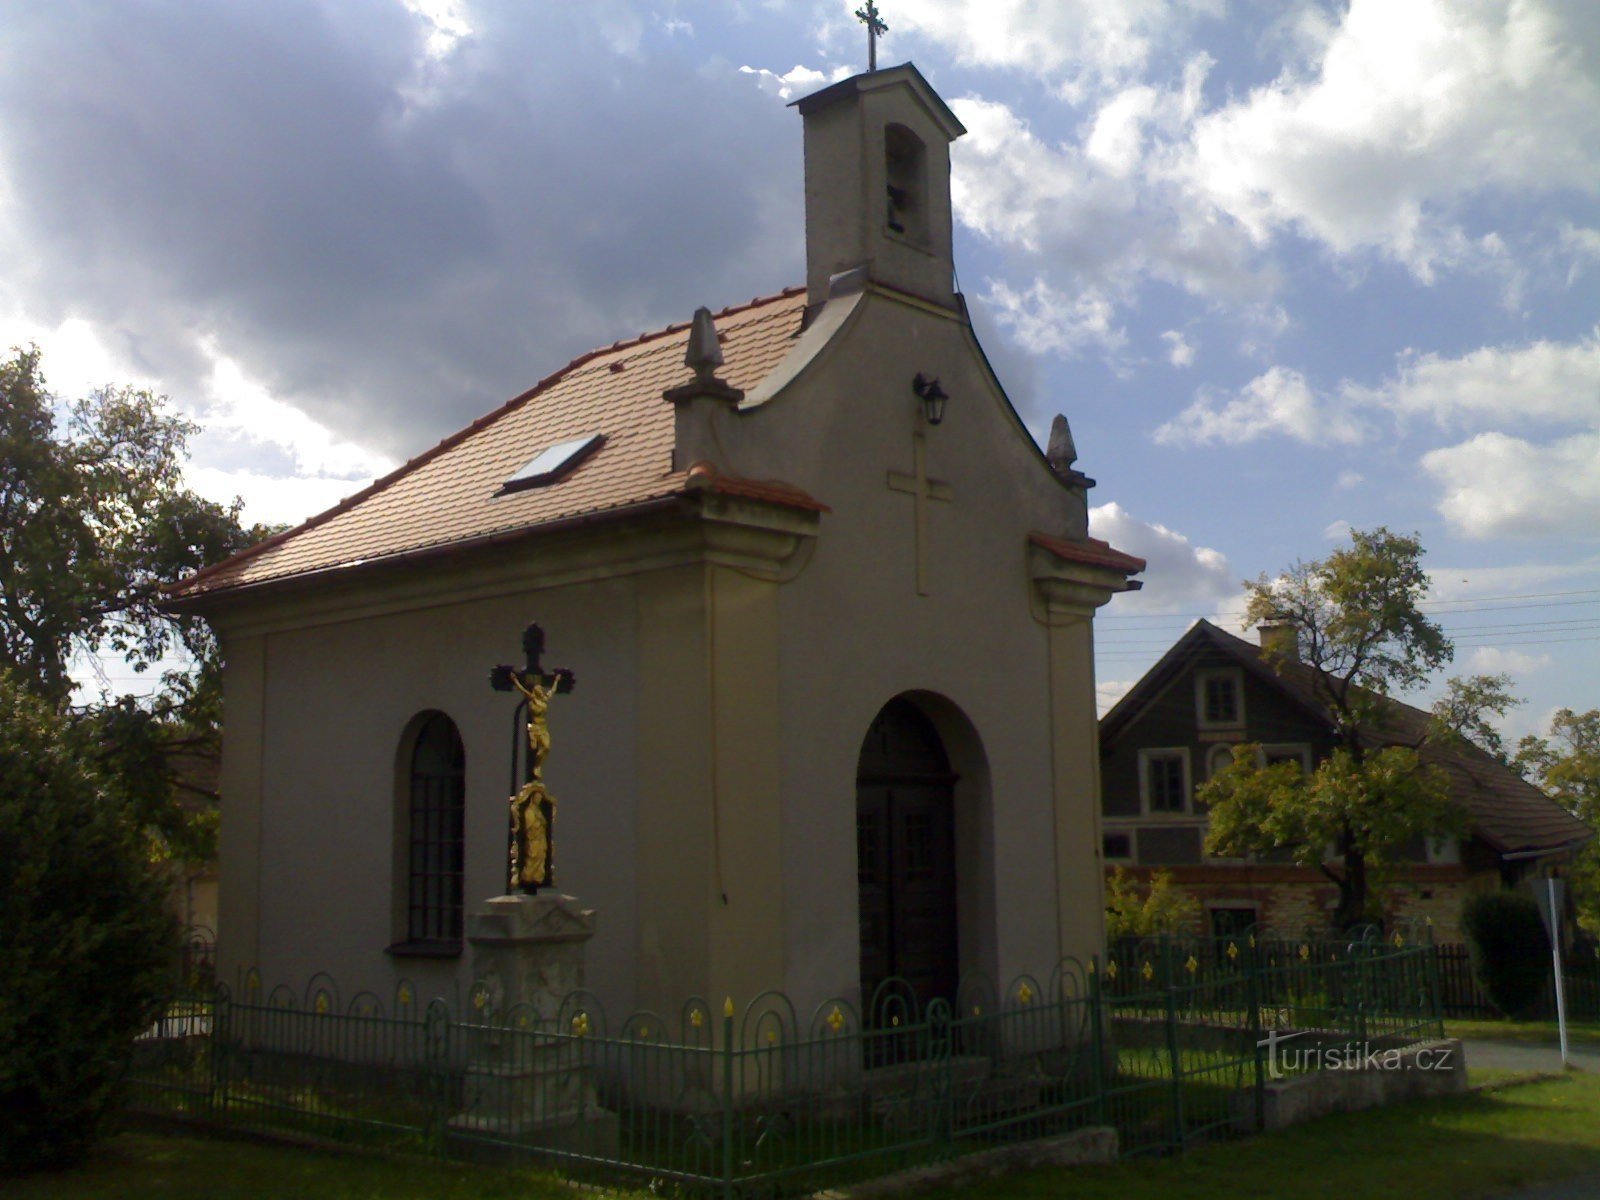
1586,1033
1479,1145
163,1166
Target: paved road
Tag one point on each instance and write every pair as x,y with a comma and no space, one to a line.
1525,1056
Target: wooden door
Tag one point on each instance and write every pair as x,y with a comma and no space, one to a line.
905,856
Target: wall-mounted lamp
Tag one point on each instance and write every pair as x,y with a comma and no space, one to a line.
932,397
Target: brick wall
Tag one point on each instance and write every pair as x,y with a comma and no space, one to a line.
1292,902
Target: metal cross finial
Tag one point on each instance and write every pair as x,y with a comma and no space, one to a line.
868,16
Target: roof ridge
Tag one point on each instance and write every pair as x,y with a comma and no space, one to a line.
179,586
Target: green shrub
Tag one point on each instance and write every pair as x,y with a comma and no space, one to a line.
1158,908
86,942
1510,952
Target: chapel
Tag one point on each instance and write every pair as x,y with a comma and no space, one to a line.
829,611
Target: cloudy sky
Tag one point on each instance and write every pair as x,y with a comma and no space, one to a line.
1288,266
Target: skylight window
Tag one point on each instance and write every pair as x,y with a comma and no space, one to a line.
553,462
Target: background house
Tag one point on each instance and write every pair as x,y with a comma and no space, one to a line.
1176,728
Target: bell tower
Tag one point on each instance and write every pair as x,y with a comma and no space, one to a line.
877,153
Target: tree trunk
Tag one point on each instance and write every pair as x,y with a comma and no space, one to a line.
1352,910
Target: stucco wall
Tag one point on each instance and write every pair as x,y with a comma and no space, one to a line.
338,698
855,633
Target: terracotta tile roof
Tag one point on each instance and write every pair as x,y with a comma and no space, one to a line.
1507,811
1092,551
446,495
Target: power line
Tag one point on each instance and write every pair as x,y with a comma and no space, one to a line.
1466,605
1151,655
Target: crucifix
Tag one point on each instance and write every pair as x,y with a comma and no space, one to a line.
868,16
533,809
922,491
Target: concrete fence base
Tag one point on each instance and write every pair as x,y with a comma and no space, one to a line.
1357,1080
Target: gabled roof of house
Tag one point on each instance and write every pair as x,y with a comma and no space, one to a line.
450,496
1508,813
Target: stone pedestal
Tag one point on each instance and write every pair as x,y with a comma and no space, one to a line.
529,1078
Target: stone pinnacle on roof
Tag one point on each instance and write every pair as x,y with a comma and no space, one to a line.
1063,451
704,354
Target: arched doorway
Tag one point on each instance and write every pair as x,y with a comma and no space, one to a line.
906,855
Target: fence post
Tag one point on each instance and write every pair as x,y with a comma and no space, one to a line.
1097,1039
1252,992
728,1190
1364,966
221,1014
939,1053
1435,987
1175,1068
436,1025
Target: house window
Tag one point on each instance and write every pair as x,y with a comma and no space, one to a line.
434,838
1117,847
1217,759
1231,920
1164,780
1271,756
1443,851
1219,699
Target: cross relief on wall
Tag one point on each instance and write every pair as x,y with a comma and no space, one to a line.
922,491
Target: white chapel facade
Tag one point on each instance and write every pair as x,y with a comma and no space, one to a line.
830,614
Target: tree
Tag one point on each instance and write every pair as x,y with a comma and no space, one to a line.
94,518
1464,709
1360,633
1567,766
1364,809
86,941
1159,909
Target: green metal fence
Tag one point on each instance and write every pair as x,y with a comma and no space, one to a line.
765,1100
1463,996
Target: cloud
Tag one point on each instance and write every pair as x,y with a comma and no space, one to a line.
1108,692
1542,381
1095,221
240,410
271,499
1044,320
1336,531
1582,244
1349,479
1496,485
1401,114
1491,660
797,81
389,232
1180,352
1179,577
1076,43
1277,402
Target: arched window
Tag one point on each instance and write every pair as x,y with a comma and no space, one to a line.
437,803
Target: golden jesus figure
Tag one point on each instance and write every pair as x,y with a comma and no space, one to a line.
532,846
538,697
533,808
